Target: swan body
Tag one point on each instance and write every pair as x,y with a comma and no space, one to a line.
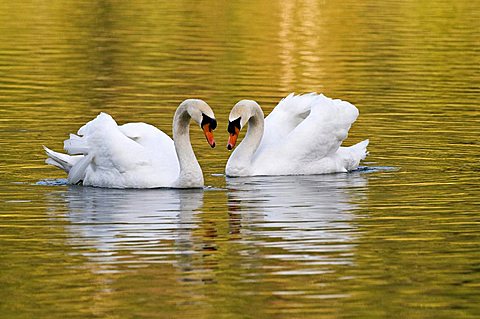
301,136
136,155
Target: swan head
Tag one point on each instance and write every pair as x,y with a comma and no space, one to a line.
238,118
203,115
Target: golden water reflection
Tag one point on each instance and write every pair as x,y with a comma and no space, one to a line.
398,243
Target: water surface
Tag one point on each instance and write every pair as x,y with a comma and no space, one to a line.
377,243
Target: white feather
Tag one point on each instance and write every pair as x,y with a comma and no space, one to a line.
301,136
134,155
62,161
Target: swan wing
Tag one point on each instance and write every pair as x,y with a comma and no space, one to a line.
109,146
324,130
145,134
314,138
155,141
132,155
286,116
152,139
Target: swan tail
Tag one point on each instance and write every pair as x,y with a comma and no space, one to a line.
76,174
85,148
60,160
353,155
360,150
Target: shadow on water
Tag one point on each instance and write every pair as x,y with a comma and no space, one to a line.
305,218
135,222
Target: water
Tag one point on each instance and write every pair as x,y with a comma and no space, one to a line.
399,239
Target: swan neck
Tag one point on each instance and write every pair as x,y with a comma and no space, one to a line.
247,148
190,172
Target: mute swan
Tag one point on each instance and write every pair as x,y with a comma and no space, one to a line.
136,155
301,136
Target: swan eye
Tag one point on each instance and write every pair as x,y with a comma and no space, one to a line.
208,120
232,125
213,124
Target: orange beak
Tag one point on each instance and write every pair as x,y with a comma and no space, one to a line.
208,134
232,139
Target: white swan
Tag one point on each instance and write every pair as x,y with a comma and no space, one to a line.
301,136
136,155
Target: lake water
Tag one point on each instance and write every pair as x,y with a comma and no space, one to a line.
397,239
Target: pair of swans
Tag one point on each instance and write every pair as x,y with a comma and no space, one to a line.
301,136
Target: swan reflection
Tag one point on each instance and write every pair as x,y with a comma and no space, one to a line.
297,217
118,222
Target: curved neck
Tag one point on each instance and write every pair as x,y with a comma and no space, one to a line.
190,172
246,150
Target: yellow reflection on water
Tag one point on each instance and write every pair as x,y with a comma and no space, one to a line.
399,241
